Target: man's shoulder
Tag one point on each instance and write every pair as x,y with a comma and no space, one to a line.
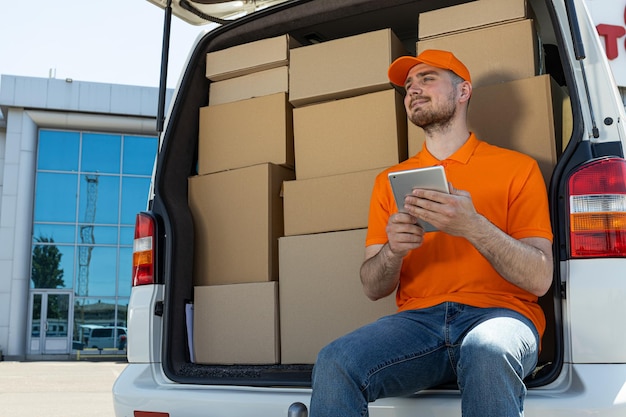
485,149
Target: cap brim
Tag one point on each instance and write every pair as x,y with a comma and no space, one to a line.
399,69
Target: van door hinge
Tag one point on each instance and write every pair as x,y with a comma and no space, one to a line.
158,309
563,290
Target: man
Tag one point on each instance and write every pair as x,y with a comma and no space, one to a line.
467,293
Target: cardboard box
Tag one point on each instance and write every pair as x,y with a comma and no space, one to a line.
470,16
236,324
257,84
248,58
245,133
321,297
343,67
494,54
528,114
238,218
327,204
350,135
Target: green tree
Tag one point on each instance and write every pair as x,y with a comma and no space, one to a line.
46,261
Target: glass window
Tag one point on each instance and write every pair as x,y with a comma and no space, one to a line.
89,188
99,199
36,319
58,151
52,266
139,154
122,311
134,197
54,232
127,235
125,272
101,153
55,197
92,312
96,271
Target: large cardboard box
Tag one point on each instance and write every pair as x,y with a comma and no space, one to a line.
238,218
528,114
257,84
245,133
249,57
350,135
327,204
343,67
494,54
236,324
321,297
470,16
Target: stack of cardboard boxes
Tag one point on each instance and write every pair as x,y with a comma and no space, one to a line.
245,152
273,242
349,124
511,105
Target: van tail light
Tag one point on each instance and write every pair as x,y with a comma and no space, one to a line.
143,250
597,209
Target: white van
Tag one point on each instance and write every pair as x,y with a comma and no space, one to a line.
544,83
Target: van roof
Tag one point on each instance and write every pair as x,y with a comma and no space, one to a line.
195,11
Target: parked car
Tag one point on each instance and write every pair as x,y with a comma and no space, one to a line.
107,337
575,130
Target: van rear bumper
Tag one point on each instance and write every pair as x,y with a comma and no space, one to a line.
589,389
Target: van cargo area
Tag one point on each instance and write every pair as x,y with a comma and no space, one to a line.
338,117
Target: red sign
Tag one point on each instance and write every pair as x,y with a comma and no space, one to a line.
613,35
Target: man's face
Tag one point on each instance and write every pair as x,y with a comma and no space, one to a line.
430,99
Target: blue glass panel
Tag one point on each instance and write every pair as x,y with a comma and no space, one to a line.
101,153
96,271
99,199
134,197
55,198
58,233
126,270
127,235
103,235
52,266
139,154
58,150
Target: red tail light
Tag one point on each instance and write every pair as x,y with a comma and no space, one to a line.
597,209
143,251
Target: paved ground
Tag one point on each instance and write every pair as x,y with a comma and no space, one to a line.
57,389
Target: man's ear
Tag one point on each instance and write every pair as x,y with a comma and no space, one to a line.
465,91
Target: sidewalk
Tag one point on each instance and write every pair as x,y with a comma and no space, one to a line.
58,389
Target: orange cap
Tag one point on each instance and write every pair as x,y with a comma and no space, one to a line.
399,68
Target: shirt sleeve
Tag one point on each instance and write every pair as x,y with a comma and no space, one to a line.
382,206
529,214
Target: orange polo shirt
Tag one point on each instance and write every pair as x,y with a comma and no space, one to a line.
508,189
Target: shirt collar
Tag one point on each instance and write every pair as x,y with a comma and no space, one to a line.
462,155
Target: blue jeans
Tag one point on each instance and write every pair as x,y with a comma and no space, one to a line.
487,351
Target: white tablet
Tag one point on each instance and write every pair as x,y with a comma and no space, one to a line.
430,178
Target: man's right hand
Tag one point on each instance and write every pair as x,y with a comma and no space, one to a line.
404,234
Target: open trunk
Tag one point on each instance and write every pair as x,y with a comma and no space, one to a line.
307,22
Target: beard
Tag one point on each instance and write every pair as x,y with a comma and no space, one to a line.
432,119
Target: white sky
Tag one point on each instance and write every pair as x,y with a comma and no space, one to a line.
109,41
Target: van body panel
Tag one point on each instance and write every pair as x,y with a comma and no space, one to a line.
597,390
144,345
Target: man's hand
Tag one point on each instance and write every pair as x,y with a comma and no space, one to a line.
404,234
452,213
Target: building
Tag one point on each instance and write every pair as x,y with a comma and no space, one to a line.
76,160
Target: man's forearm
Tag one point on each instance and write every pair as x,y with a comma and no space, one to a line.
526,263
380,273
